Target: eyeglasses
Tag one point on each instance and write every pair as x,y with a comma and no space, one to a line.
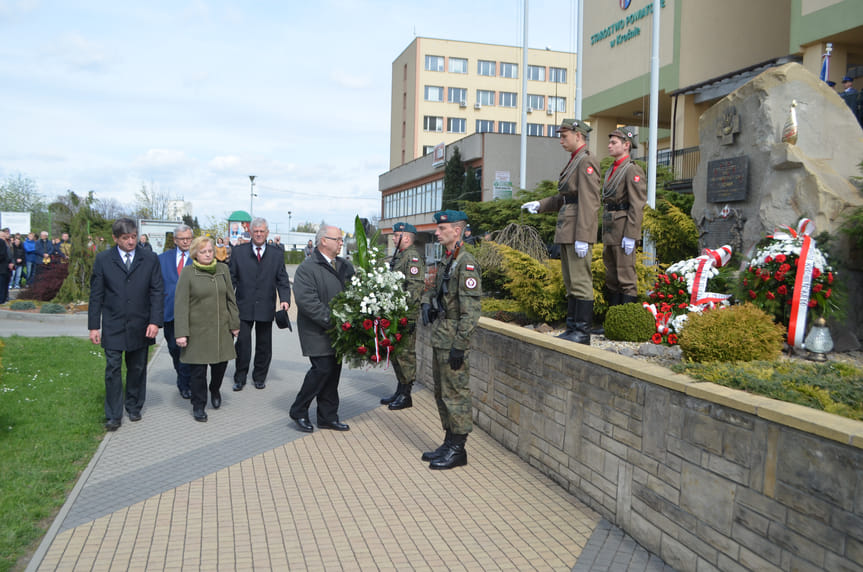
339,239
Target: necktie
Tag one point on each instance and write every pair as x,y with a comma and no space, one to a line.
181,263
259,253
128,261
333,263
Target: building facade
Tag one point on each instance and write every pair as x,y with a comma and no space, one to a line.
444,90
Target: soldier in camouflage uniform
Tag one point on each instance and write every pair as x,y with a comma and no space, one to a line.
452,309
624,194
407,260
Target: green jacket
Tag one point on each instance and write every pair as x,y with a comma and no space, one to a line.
205,311
410,263
462,302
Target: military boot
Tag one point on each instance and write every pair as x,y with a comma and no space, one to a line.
403,399
391,398
627,299
570,318
432,455
582,319
453,456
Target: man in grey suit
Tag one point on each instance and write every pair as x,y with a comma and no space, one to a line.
318,279
258,272
126,305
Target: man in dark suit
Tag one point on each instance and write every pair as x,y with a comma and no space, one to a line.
172,262
126,303
7,264
258,272
318,279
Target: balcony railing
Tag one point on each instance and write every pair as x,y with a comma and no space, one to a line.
682,162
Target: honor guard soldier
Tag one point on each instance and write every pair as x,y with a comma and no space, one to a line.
452,309
577,203
624,194
407,260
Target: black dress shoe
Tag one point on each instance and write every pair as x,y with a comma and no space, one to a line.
199,414
186,393
334,425
304,425
112,425
260,385
134,416
216,398
239,386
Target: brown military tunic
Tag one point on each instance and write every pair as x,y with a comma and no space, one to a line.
624,194
577,203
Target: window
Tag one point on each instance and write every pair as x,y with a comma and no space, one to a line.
484,97
536,73
534,129
552,131
536,102
458,65
434,93
557,104
557,75
506,127
484,126
456,125
457,95
509,70
427,149
485,67
434,63
507,99
432,123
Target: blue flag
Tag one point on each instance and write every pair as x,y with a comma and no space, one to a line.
825,66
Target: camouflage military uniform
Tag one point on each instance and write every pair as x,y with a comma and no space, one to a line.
453,331
410,263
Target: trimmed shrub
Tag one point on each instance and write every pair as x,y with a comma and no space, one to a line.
22,305
49,280
52,308
629,323
738,333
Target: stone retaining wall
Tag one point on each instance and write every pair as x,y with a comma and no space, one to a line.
706,477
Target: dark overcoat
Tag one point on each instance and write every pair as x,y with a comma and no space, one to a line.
256,283
123,303
315,284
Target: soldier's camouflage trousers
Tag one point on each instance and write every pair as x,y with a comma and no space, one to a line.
405,363
452,393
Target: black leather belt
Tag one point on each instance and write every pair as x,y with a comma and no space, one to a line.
570,199
620,207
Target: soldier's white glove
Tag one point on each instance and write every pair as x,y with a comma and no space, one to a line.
581,248
628,245
532,207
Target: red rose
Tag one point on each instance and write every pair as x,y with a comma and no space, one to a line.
758,272
768,260
682,305
664,307
403,321
745,282
771,296
661,296
367,324
828,292
385,323
765,276
830,278
780,277
346,326
656,338
752,294
782,290
385,342
681,292
652,296
812,303
674,275
667,281
374,357
780,258
672,339
815,273
817,288
398,337
362,350
784,268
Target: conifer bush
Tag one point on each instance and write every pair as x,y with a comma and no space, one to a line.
22,305
739,333
629,323
52,308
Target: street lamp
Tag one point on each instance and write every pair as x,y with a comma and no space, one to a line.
289,221
251,195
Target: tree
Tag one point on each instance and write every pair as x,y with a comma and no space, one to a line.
472,188
20,194
151,202
453,181
76,286
306,227
111,209
192,223
216,227
495,215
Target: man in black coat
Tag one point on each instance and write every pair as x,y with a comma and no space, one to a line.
258,272
126,303
317,281
7,264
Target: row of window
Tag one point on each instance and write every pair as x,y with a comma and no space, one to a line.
492,69
486,97
425,198
459,125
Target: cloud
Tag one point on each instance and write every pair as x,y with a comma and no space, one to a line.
163,158
225,163
76,51
344,79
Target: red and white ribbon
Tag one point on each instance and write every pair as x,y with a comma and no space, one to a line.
709,258
377,347
804,228
662,318
802,288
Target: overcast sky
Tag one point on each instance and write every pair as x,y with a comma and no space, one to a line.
195,96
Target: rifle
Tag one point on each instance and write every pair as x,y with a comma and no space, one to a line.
437,301
396,254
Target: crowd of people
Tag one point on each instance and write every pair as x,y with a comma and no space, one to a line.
21,257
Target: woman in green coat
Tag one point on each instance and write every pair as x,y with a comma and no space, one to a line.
206,320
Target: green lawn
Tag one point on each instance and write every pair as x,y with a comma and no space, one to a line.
51,414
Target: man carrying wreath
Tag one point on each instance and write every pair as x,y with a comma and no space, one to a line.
452,309
407,260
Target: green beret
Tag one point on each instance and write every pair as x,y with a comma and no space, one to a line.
404,227
574,125
449,216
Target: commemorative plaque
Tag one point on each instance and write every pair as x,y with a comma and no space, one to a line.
727,179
